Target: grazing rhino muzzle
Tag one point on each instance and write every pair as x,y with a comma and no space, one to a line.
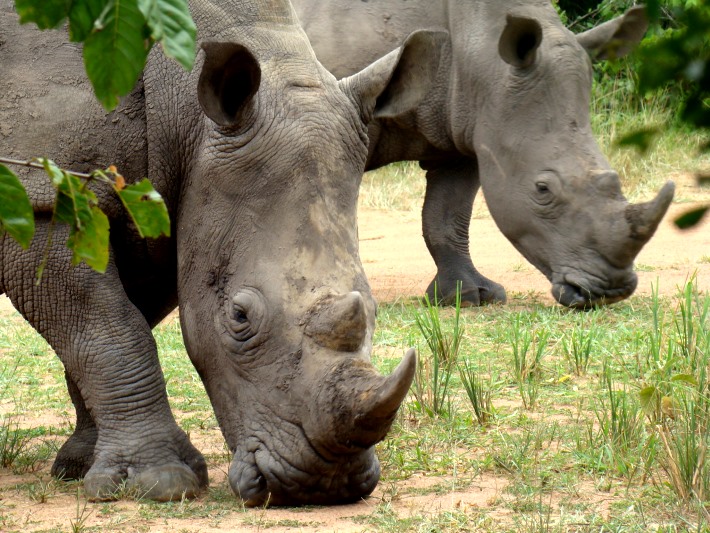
306,461
505,109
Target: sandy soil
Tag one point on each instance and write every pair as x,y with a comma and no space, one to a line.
398,265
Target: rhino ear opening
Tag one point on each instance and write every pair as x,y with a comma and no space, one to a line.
617,37
520,41
397,83
229,79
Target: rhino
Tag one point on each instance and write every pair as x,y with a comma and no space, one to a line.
502,104
258,154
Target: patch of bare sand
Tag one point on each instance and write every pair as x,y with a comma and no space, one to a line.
399,266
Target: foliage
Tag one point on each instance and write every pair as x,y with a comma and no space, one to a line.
675,54
433,373
77,206
117,36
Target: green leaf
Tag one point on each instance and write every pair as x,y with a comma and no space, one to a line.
90,244
641,139
653,10
46,14
690,218
147,209
685,378
83,16
171,25
16,217
115,52
89,226
648,396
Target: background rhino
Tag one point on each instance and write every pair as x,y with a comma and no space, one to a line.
502,104
258,153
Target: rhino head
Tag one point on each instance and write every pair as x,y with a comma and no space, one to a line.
276,311
548,186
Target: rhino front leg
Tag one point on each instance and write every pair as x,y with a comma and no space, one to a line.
446,217
76,456
114,375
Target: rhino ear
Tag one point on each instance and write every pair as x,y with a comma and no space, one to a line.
520,40
229,79
617,37
397,83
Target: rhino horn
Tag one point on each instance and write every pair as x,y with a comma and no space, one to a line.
360,403
644,218
377,408
338,322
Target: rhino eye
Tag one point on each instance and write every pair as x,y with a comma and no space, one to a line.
543,193
245,315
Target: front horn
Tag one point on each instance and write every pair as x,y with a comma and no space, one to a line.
357,405
644,218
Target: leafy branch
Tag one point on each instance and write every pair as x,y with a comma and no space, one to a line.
77,206
679,56
117,36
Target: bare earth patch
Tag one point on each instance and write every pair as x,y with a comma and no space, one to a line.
399,267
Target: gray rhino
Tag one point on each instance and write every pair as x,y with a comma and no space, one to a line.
258,153
503,104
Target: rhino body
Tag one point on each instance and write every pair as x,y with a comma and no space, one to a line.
504,106
258,153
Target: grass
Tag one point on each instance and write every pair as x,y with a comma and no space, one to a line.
631,431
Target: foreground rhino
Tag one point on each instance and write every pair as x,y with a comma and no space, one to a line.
258,154
505,107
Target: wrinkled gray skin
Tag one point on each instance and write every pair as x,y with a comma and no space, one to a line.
258,154
504,105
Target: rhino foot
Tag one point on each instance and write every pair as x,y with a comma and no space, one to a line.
76,455
162,470
475,291
160,483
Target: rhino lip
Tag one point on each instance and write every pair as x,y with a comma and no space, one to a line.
578,295
259,480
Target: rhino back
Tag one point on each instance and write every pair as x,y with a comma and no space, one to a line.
48,109
348,35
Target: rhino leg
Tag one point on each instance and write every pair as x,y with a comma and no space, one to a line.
110,357
446,216
76,456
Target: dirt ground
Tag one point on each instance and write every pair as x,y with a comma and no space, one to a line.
398,266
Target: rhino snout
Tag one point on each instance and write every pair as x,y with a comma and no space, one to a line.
263,477
575,292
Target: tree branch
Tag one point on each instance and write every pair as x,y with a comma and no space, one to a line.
33,164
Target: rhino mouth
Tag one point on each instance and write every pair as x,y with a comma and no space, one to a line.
262,477
582,294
